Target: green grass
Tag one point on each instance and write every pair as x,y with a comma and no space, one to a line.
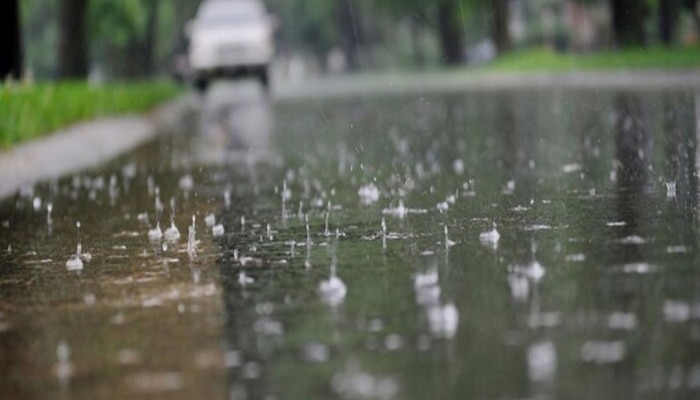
30,111
632,59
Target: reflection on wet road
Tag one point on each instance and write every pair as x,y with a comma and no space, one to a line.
486,244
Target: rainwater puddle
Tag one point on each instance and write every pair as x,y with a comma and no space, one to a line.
503,245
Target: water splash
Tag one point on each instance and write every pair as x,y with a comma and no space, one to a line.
191,240
671,189
490,238
244,279
217,230
332,291
401,211
172,234
286,195
210,220
443,320
542,361
156,233
75,263
448,243
369,194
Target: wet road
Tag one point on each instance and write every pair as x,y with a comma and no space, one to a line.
503,244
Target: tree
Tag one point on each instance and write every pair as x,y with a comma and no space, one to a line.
501,17
628,22
351,30
668,13
450,32
72,42
150,44
10,40
694,7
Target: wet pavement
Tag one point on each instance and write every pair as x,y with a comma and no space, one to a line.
491,244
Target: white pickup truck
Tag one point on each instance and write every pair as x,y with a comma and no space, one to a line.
230,39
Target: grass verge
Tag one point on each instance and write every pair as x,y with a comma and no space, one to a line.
30,111
632,59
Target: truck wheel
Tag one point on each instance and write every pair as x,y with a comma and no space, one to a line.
264,78
201,85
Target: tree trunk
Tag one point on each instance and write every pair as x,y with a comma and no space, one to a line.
350,30
500,25
416,30
72,40
451,38
628,22
668,13
10,40
150,42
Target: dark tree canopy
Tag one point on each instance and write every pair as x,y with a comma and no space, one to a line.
628,22
10,40
73,47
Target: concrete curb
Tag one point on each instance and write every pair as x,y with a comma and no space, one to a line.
455,81
81,146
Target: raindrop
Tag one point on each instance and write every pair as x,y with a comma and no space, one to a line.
383,234
308,231
227,198
49,209
328,214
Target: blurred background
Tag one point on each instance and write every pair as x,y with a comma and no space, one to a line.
107,40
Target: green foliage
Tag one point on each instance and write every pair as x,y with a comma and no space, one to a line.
34,110
307,25
631,59
118,22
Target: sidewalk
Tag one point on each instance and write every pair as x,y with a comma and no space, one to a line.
81,146
465,80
